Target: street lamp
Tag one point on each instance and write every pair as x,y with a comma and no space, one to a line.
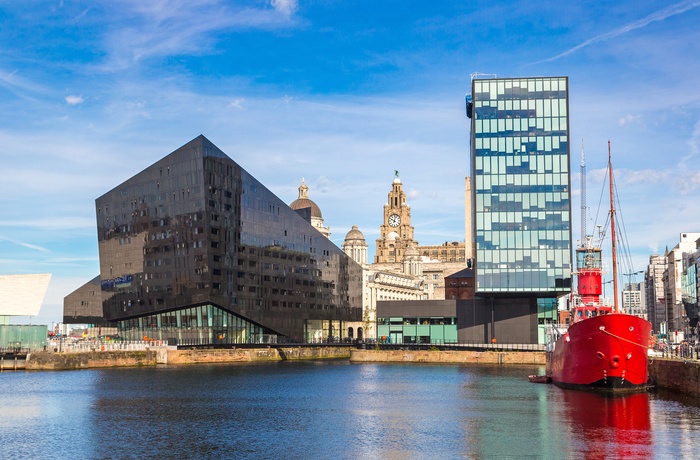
627,301
604,283
630,275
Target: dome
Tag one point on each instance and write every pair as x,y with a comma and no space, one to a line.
411,251
392,236
354,234
397,181
303,202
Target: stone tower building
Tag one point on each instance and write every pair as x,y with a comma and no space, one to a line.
396,233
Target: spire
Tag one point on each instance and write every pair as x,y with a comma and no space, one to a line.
303,190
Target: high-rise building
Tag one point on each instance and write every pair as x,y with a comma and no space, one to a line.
194,250
633,300
676,264
655,295
521,195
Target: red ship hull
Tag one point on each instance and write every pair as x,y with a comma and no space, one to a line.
603,353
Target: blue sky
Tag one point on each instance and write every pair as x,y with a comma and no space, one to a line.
339,93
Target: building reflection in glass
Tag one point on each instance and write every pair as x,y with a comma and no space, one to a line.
194,250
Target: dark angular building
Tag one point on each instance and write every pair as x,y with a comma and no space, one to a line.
195,251
84,305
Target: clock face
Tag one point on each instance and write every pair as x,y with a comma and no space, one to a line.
394,220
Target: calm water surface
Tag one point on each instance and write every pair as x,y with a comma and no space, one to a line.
331,410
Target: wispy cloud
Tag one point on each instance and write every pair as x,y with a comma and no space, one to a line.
167,28
237,103
19,86
74,100
657,16
286,7
26,245
629,120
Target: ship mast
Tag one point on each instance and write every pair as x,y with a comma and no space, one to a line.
583,197
612,229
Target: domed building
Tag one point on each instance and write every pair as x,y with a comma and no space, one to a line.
310,210
355,246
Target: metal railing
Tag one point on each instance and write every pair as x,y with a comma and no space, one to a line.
88,346
470,346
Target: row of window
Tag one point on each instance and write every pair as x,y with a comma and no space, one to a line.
521,88
423,321
522,165
545,257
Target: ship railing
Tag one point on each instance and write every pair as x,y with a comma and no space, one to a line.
602,302
552,333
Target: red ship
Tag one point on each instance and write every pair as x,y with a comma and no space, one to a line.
603,348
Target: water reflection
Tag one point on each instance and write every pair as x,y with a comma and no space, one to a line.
332,409
608,426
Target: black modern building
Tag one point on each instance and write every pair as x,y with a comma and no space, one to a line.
195,251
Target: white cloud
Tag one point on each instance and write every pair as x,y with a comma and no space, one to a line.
629,119
237,103
74,100
286,7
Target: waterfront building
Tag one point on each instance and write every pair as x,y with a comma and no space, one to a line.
419,322
689,289
84,305
22,296
521,201
196,251
678,324
655,294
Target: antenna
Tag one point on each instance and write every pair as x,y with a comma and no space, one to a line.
583,195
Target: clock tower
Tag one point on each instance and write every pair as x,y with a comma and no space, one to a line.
396,233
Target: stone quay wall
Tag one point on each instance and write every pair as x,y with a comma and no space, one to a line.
447,357
164,355
676,375
45,361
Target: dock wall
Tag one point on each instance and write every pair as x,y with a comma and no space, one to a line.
676,375
154,356
447,357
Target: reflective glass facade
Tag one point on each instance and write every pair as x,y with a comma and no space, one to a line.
520,170
194,242
426,330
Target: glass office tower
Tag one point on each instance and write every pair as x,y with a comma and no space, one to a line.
521,184
195,251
